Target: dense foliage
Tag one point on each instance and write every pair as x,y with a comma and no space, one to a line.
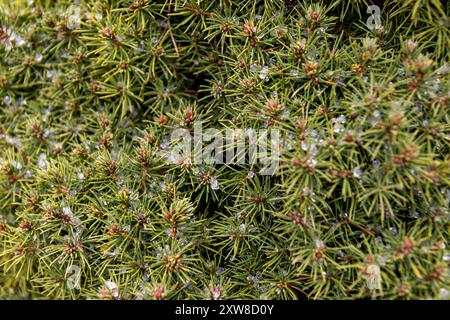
90,208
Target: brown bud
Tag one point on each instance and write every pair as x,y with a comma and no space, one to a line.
297,162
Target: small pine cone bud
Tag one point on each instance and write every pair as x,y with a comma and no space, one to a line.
106,33
410,46
348,138
158,294
94,86
249,28
198,12
273,105
32,250
112,168
159,51
25,225
104,294
396,119
104,121
172,233
105,140
398,160
407,245
123,66
167,215
225,27
114,230
3,82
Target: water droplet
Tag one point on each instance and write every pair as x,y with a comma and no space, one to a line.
376,164
337,128
27,174
319,244
378,241
393,231
264,72
444,293
254,68
304,146
42,162
219,271
67,211
414,214
50,73
164,145
110,285
214,183
357,173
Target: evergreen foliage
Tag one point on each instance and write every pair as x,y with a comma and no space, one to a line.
89,93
